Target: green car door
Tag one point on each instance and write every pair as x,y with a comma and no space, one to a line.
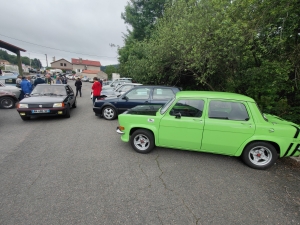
228,124
182,126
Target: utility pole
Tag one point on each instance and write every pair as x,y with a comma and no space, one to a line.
46,60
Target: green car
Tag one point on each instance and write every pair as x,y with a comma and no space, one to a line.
213,122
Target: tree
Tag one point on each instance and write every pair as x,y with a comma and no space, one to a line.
142,16
248,47
109,70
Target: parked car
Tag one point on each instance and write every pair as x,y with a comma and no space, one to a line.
7,99
12,89
117,82
32,70
213,122
91,80
108,82
9,80
85,79
48,100
120,89
110,107
7,73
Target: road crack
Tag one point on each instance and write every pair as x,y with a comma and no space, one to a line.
167,188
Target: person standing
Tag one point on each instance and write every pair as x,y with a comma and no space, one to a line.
18,81
97,88
26,86
58,80
38,80
48,79
78,85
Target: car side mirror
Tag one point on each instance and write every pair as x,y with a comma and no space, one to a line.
178,115
125,97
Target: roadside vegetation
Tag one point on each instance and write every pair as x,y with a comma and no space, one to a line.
247,47
12,59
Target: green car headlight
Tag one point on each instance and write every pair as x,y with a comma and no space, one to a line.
22,106
58,104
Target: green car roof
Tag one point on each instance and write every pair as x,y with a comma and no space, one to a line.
213,94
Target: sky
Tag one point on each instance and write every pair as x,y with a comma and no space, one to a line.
68,28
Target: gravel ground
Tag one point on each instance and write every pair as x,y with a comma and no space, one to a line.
78,171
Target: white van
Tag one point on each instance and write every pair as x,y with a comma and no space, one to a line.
55,71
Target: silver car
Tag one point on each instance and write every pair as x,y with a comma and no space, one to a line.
12,89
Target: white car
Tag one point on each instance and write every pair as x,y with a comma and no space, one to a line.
7,73
12,89
117,82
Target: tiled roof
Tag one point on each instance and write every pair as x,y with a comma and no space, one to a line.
86,62
91,71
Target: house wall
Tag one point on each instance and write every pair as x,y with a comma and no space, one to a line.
65,65
93,68
78,68
100,75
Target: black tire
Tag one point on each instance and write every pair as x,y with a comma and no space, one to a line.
7,102
25,117
109,113
259,155
74,104
67,114
142,141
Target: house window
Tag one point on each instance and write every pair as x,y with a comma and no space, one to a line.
65,64
61,64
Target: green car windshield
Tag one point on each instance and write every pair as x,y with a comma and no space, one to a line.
166,106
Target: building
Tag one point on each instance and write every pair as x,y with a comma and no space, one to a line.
62,64
80,65
93,73
3,62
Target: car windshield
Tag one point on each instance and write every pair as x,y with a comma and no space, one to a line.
49,90
167,105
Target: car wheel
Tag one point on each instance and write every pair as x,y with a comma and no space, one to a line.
109,113
67,114
142,141
260,155
74,104
7,103
25,117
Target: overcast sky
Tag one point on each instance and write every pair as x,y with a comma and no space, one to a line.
82,29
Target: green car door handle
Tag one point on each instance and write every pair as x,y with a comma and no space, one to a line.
198,120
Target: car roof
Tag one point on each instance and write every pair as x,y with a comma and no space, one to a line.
215,95
155,86
8,77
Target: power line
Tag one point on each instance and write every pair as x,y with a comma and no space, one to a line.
56,48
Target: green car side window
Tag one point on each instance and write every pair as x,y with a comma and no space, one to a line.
227,110
188,108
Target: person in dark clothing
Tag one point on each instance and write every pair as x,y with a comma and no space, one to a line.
78,85
38,80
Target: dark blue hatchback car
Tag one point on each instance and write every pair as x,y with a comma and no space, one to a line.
110,107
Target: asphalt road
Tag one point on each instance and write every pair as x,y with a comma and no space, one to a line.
78,171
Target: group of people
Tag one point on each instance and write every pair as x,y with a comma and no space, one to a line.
96,88
26,86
